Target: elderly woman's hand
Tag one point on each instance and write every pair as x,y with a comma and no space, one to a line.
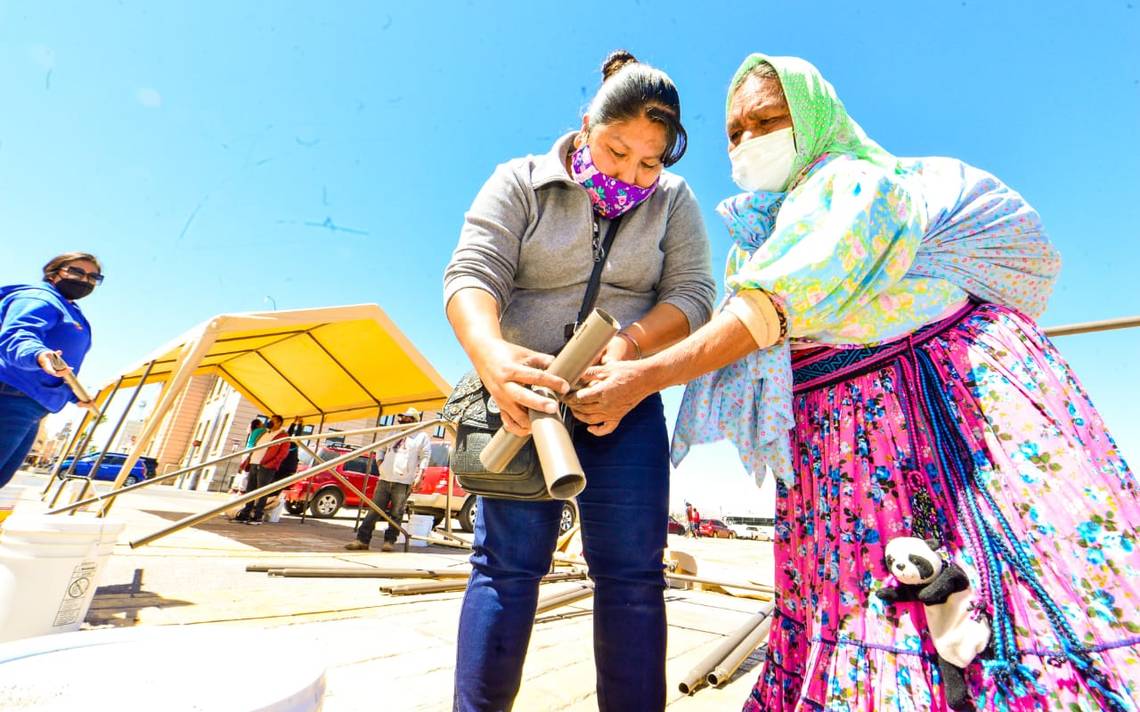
611,391
508,371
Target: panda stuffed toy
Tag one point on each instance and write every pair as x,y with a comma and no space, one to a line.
958,632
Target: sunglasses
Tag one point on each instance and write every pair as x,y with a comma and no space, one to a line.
77,273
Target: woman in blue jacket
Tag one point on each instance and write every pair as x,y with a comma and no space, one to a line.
36,320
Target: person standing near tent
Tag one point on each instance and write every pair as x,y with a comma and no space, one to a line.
241,479
263,466
37,320
410,456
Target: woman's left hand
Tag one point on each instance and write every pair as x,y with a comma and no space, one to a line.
612,390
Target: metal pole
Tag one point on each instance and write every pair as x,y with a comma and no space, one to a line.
182,471
345,572
309,483
273,487
67,450
1089,327
368,473
722,673
699,675
371,505
114,431
86,441
564,598
685,578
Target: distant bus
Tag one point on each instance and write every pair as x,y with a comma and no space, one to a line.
754,521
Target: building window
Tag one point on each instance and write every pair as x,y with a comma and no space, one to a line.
219,433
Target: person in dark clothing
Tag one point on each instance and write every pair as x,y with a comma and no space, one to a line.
263,470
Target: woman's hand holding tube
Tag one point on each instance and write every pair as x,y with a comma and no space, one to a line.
507,370
614,388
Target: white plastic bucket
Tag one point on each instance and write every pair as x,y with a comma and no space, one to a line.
420,525
49,568
159,668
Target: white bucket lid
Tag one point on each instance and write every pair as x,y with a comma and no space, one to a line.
136,669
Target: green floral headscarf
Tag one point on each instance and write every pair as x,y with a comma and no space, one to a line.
819,119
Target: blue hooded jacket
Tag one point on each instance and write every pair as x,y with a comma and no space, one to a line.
36,318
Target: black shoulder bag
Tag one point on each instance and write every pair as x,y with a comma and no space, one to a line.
477,416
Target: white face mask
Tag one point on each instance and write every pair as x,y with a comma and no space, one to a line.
764,162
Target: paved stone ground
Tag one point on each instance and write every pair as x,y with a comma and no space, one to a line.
387,652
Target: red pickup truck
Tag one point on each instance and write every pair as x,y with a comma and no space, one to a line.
325,494
431,496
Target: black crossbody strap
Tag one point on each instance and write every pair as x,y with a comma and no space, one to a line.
595,281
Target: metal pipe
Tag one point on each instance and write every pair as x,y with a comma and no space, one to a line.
115,430
409,589
86,441
274,486
1089,327
445,586
447,515
699,674
190,468
762,588
360,495
309,483
580,351
723,672
87,414
69,378
345,572
564,598
367,469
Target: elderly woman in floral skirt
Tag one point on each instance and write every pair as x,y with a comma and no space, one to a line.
877,352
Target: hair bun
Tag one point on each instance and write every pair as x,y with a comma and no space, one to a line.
615,61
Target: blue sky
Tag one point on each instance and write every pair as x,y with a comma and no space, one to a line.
222,157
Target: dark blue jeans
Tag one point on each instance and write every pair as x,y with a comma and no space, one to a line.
624,513
19,422
391,497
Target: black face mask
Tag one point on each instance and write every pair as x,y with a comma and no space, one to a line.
74,288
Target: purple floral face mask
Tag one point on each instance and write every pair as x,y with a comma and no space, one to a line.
610,196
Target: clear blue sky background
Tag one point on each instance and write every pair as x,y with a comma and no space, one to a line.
214,154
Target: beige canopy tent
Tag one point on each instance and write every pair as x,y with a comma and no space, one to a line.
332,364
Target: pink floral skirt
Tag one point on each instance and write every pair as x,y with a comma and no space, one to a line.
976,431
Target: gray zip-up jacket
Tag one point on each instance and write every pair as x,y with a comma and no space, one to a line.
527,240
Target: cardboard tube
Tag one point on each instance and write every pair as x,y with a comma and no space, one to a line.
560,467
699,674
580,351
723,672
564,598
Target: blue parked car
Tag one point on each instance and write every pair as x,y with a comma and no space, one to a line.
109,468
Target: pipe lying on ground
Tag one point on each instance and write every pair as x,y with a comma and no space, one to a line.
407,589
699,674
685,578
345,572
723,672
556,600
560,467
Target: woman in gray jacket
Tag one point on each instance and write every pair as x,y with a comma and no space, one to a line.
516,280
